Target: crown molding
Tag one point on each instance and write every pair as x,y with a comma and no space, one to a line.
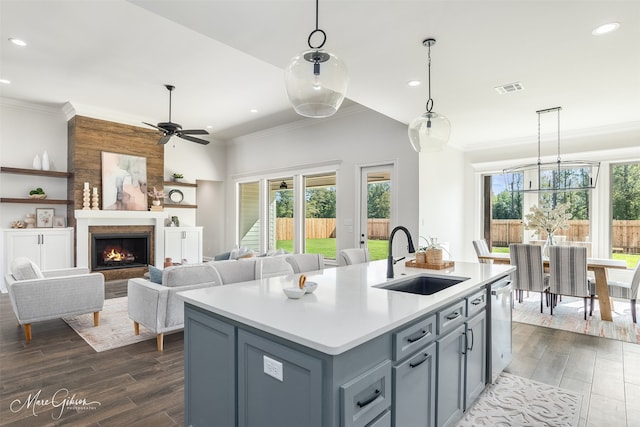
53,109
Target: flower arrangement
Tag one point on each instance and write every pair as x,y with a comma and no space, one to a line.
548,220
156,194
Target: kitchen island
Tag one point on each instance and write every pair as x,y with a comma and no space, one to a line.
350,354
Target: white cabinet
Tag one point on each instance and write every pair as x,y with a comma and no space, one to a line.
183,243
50,249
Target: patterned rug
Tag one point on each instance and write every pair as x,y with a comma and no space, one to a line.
569,316
517,401
115,328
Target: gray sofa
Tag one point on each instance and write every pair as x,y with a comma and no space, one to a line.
158,308
43,295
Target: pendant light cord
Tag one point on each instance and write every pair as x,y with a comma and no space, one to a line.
317,30
430,100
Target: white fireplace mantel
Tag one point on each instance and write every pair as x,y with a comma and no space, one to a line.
88,218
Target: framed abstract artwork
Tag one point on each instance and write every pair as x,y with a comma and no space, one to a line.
124,182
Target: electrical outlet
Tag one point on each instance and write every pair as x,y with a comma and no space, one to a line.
272,367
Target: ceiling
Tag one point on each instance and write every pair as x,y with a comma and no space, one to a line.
110,59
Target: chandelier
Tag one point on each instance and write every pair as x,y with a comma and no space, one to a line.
316,79
555,176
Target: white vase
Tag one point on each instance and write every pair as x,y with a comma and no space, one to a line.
45,161
547,244
37,164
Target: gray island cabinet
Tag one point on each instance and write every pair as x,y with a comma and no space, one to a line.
350,354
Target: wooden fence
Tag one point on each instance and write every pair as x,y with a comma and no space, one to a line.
625,235
323,228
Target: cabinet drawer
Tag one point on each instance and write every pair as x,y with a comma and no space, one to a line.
367,396
476,302
408,340
451,316
383,421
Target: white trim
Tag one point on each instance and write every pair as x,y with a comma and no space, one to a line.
306,169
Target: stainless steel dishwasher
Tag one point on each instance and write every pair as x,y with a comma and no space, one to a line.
501,303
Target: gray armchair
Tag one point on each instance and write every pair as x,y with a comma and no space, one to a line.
43,295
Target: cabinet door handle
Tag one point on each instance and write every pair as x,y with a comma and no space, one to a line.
363,403
471,348
466,341
42,238
477,301
424,359
423,333
453,316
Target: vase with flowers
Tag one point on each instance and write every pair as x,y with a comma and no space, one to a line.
548,220
431,253
157,196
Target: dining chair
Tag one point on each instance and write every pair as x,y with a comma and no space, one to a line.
568,275
353,256
302,263
627,290
482,248
529,274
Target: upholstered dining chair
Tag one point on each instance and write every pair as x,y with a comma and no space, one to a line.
353,256
529,274
482,248
272,266
568,275
627,290
302,263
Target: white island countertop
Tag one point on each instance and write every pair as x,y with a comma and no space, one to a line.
346,310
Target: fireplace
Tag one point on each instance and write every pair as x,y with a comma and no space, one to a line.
119,250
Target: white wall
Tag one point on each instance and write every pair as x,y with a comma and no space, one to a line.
355,137
26,130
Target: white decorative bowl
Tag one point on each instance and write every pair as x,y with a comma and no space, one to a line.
309,287
294,293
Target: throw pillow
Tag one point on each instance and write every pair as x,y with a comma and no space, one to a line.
24,269
155,274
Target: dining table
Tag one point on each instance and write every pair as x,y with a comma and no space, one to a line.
599,267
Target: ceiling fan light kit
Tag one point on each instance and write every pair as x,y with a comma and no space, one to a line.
429,131
555,176
170,129
316,80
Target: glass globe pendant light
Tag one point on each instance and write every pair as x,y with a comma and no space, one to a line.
316,80
430,131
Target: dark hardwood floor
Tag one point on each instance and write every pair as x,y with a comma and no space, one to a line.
135,385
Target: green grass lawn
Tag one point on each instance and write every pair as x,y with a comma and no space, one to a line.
377,248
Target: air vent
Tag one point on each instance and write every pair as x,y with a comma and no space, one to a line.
508,88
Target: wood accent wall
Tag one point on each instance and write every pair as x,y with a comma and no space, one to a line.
88,137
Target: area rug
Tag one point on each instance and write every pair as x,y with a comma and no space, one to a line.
517,401
569,316
115,328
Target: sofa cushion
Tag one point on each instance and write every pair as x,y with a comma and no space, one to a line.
155,274
23,268
190,274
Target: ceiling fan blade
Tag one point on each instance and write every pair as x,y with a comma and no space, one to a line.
164,139
153,126
195,132
194,139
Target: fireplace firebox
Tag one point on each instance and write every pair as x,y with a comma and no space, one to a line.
119,250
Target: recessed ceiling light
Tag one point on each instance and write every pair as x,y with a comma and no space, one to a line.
209,127
605,28
17,41
5,81
414,83
253,110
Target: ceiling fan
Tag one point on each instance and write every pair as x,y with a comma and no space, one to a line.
170,129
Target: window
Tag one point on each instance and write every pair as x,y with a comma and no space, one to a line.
295,213
625,213
320,214
249,215
506,210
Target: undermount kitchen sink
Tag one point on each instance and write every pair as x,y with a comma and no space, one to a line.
424,285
